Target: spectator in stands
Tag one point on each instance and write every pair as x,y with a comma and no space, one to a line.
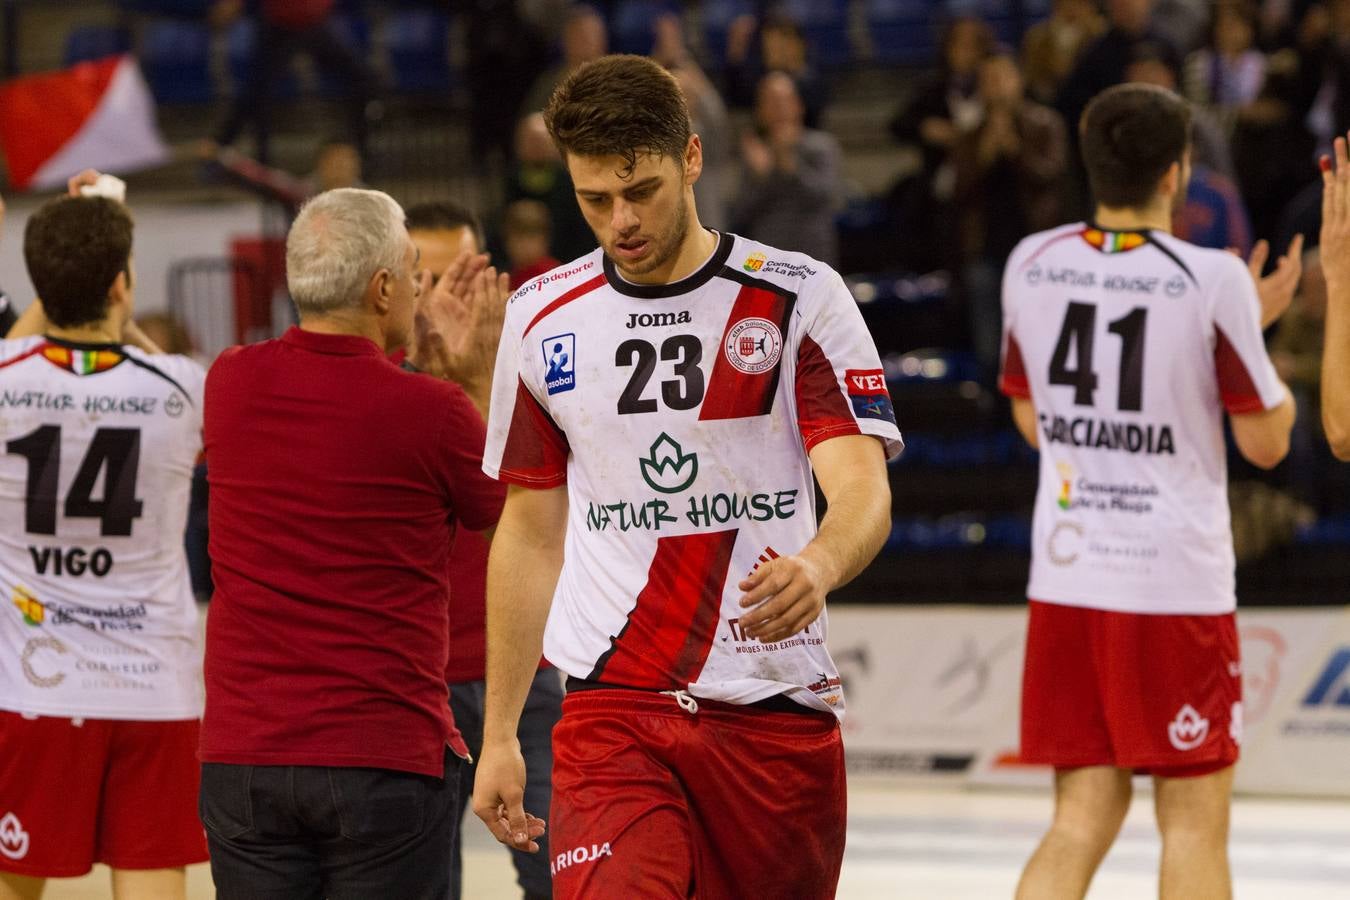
1008,175
709,117
782,48
1051,48
538,174
331,760
285,27
584,38
505,51
1227,74
1212,213
790,188
443,233
526,232
943,106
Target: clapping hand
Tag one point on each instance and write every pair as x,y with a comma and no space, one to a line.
1335,242
458,322
1276,290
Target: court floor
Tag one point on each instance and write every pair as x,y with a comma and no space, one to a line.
927,842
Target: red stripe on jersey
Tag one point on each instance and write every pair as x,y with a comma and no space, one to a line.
670,631
733,394
1050,243
1012,381
25,355
580,290
1235,382
536,449
822,409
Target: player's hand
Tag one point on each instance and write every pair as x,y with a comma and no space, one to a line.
784,595
1276,290
88,177
458,323
1335,244
498,797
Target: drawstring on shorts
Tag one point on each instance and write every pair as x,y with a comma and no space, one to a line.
687,702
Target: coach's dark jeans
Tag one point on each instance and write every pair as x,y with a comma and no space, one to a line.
310,832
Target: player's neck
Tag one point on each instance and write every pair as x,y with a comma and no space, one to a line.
1156,217
352,325
105,332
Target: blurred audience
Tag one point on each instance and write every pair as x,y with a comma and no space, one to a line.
791,187
1227,74
584,38
539,174
283,28
1008,174
526,235
1051,48
782,48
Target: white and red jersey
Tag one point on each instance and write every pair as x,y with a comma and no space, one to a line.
1131,345
679,417
99,443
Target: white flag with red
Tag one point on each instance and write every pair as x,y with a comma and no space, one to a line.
94,115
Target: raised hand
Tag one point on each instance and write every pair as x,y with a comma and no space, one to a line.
1276,290
459,322
1335,241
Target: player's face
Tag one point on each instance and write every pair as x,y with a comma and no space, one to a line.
403,288
640,218
440,246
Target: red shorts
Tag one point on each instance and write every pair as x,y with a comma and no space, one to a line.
726,803
1160,694
115,792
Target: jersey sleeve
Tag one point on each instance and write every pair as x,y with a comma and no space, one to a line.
1247,380
1012,375
475,498
840,385
524,445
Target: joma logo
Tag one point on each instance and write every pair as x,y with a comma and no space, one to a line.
648,320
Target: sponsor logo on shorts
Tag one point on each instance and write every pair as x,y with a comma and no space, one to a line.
754,345
570,858
754,262
13,839
1188,730
560,352
1235,722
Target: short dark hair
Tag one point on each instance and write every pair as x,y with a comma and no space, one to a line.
620,105
1130,135
75,247
446,215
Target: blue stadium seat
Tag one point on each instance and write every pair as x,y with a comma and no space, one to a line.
86,42
353,30
241,44
631,22
176,59
825,23
417,41
902,31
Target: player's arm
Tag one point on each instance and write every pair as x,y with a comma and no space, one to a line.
523,568
788,593
1335,245
1024,417
1263,437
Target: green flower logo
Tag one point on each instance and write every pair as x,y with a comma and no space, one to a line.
669,469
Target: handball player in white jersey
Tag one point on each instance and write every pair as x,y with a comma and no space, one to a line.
99,659
659,408
1124,347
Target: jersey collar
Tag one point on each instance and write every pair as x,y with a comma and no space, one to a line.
700,277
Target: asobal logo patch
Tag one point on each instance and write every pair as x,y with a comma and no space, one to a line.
668,469
560,357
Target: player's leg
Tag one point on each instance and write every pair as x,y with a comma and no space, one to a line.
769,799
466,703
20,887
1193,819
619,817
148,826
1090,805
149,884
51,776
543,709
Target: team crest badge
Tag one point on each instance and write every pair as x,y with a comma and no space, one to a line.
754,345
754,262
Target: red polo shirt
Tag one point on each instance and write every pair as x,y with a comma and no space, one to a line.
336,482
